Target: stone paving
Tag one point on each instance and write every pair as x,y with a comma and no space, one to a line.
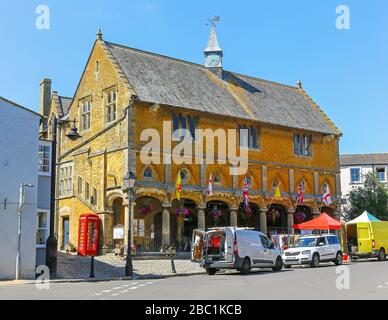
110,266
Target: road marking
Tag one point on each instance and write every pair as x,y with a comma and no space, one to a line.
133,288
124,291
115,295
107,291
117,288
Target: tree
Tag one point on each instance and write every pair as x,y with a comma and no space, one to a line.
372,197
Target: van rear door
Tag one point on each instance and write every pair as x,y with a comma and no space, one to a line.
197,245
364,238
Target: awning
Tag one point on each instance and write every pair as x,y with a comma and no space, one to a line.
323,222
365,217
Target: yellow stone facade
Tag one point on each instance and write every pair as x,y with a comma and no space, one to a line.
107,151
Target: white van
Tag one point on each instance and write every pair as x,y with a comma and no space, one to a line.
234,248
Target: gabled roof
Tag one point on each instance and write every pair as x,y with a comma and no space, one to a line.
62,104
364,159
9,102
168,81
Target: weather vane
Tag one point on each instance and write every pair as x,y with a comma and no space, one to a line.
213,21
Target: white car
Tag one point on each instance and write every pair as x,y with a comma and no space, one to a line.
234,248
312,250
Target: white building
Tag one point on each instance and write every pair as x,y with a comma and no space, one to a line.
355,166
20,149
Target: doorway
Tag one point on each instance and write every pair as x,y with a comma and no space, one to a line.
66,232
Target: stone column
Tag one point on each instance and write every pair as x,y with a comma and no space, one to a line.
233,217
126,223
179,235
166,226
201,216
128,215
263,221
290,220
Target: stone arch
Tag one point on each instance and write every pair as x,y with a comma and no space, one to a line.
113,195
156,193
147,221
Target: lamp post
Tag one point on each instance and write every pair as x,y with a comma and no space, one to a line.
128,185
21,204
52,241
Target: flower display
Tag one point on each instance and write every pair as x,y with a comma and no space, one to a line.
299,216
182,212
145,210
215,212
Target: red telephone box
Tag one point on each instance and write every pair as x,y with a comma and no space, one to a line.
88,235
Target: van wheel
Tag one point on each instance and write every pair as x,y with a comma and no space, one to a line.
381,255
211,271
246,266
338,259
315,261
278,265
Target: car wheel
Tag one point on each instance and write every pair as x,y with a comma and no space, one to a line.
315,261
381,255
278,265
246,266
211,271
338,259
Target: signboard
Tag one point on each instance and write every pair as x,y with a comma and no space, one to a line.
118,232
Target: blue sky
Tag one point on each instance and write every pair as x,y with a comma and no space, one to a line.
345,71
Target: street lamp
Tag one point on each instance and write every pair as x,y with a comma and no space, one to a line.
21,204
52,241
128,185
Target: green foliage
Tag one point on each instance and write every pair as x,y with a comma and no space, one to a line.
372,197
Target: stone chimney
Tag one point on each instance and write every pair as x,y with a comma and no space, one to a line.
45,97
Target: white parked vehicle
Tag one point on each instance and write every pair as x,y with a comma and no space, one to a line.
234,248
312,250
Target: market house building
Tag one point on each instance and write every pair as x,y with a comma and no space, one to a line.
123,91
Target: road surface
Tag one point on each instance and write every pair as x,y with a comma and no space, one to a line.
363,280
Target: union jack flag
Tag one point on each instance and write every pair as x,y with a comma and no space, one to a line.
300,196
245,192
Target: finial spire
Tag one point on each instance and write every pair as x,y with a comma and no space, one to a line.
213,45
299,84
99,34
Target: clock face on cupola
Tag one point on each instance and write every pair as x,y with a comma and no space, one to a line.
213,60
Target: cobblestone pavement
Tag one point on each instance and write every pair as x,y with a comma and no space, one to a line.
111,266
